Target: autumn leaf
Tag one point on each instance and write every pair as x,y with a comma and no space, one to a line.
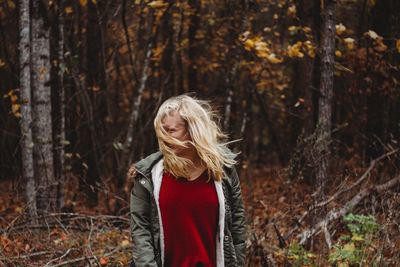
380,46
356,237
310,48
372,34
292,11
340,29
157,4
338,53
83,2
349,42
248,44
307,29
295,50
272,58
15,108
2,63
69,10
103,261
293,29
125,243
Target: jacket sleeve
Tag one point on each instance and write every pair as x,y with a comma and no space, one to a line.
238,219
140,217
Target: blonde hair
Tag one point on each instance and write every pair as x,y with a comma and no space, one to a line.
206,137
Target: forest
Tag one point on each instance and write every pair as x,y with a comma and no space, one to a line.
308,90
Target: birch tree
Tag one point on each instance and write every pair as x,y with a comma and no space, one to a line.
42,124
26,106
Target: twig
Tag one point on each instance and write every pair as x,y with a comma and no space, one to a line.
70,216
29,255
90,257
59,258
89,244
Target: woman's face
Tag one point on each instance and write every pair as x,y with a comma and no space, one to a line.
175,126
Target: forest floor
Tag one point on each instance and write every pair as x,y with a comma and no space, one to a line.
86,236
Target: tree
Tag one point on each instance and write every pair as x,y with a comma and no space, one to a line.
58,97
42,123
323,129
26,106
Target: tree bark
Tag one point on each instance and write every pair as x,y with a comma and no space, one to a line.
59,100
323,129
26,107
326,91
42,126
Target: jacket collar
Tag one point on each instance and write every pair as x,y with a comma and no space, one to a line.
145,165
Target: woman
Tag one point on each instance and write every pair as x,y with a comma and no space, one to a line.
186,203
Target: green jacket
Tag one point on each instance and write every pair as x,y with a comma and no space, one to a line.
145,223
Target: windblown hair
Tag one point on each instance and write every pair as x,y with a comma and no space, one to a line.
206,137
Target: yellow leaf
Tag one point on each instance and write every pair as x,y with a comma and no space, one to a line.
356,237
248,44
125,243
94,2
372,34
157,4
349,247
295,50
261,46
273,59
340,29
83,2
292,11
18,209
69,10
338,53
398,45
349,43
380,46
15,108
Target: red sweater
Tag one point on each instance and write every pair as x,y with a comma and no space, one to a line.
189,212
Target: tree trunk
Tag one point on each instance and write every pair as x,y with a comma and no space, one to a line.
26,107
59,101
323,130
42,126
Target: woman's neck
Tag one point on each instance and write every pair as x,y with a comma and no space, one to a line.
198,168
